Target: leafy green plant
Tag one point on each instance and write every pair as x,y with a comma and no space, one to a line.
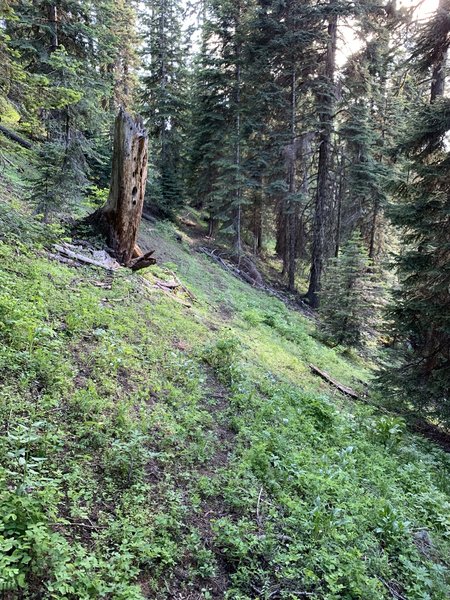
223,357
387,430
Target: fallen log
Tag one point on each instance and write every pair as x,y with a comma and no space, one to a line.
171,285
342,388
227,266
12,135
148,217
64,260
102,259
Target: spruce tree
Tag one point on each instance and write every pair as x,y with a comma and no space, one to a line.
78,59
371,105
350,297
421,311
326,99
163,99
58,180
219,147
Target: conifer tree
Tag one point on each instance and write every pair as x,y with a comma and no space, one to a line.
371,100
326,98
59,179
326,103
76,54
163,98
219,145
421,312
350,297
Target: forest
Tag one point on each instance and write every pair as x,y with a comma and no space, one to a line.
224,299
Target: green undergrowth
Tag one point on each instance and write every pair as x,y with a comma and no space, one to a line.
151,450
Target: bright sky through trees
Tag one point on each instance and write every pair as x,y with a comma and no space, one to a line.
349,41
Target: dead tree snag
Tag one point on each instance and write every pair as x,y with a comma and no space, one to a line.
120,217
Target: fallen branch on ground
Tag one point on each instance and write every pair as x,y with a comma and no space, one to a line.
12,135
158,286
141,262
97,258
252,279
183,287
342,388
289,300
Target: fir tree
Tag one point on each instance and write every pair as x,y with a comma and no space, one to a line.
59,179
219,146
350,297
164,97
421,313
370,105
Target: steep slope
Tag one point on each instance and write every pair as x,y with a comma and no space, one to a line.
165,445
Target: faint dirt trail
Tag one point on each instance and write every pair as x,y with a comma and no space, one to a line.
216,402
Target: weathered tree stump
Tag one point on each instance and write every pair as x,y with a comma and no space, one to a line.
120,217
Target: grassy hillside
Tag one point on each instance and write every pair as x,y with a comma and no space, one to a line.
151,449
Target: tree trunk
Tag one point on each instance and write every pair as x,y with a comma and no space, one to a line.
119,219
340,196
326,101
438,71
53,20
373,229
238,194
257,221
292,220
280,246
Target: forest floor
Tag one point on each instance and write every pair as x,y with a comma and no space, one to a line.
164,444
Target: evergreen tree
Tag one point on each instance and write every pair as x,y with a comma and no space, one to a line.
326,88
350,297
59,179
421,313
118,55
326,99
371,101
219,147
76,54
366,171
164,97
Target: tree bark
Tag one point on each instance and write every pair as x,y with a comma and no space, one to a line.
326,101
280,247
53,20
119,219
257,220
292,220
340,196
238,194
438,71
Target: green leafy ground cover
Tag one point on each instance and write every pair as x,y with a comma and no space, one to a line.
150,450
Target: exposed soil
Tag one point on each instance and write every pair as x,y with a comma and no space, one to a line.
212,508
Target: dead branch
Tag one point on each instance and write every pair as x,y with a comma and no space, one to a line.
146,260
12,135
97,259
342,388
